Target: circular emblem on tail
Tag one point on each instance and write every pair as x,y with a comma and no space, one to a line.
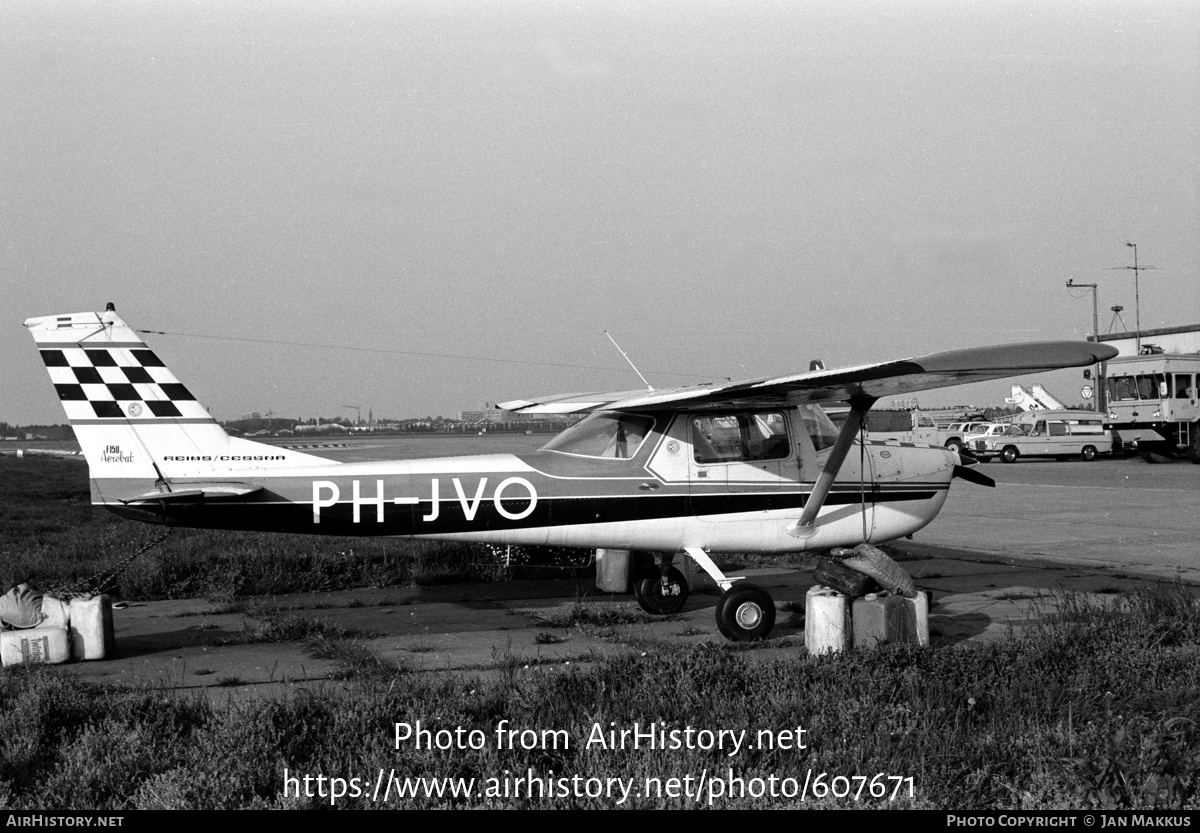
135,409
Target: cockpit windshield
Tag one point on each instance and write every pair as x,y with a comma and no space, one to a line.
607,434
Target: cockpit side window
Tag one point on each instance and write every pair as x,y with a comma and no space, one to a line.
606,435
727,438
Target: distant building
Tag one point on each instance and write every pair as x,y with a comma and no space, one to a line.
1176,340
491,415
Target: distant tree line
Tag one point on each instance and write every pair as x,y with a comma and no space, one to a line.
413,425
36,432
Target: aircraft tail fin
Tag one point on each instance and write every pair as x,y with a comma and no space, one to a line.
135,421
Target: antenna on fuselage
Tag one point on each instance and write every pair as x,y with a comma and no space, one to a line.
631,364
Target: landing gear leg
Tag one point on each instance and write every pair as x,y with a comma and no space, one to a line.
745,611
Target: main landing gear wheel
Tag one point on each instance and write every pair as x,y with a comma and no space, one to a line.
745,612
663,594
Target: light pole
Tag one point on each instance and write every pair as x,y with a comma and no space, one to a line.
1101,403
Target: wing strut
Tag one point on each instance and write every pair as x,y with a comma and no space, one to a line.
805,525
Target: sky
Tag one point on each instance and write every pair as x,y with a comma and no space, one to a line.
419,207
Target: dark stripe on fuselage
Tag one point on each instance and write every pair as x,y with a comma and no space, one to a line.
272,514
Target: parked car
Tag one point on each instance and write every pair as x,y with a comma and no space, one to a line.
982,432
954,436
1057,434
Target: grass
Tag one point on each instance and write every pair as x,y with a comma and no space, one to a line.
355,660
422,644
590,617
292,629
1097,708
1022,595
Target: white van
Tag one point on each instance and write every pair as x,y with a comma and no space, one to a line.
1058,434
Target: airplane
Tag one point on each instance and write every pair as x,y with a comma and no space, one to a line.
752,466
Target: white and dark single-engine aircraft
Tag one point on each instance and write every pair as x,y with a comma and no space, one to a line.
751,466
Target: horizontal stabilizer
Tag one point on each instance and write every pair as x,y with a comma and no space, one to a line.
197,493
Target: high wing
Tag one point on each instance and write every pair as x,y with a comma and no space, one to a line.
867,382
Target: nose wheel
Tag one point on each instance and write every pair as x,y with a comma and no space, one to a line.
745,612
663,594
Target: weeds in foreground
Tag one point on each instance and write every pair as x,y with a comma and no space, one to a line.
293,629
589,616
355,660
1097,708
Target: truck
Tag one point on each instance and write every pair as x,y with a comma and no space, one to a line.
1151,392
911,427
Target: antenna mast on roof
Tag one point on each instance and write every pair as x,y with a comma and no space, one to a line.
631,364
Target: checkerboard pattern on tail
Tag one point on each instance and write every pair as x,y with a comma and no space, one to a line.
118,381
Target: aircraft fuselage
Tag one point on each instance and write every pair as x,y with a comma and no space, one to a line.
666,495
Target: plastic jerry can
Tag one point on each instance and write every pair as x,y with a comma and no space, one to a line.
918,616
613,569
826,620
34,646
92,628
879,618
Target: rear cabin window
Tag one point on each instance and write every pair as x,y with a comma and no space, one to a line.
818,425
729,438
1057,428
